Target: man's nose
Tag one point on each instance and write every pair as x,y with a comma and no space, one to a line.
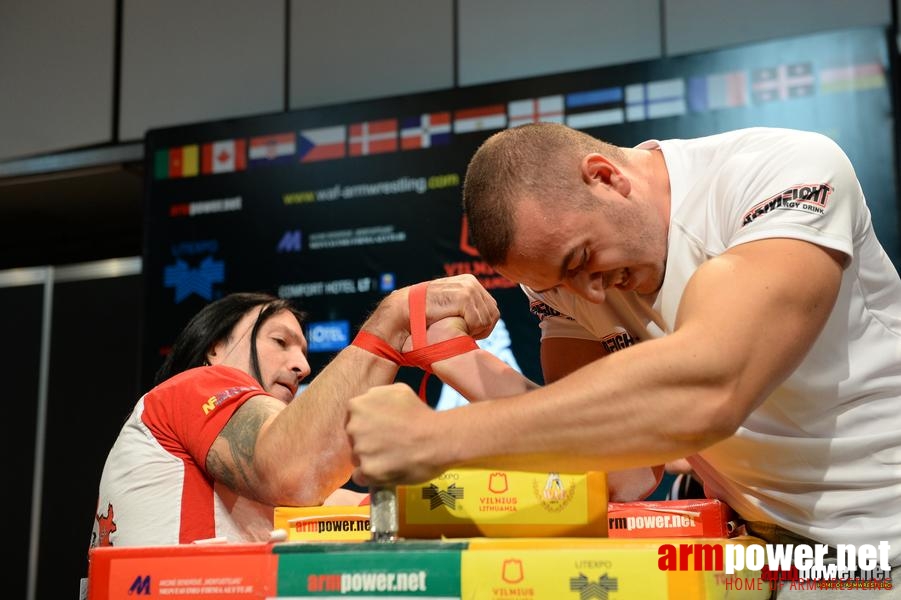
301,367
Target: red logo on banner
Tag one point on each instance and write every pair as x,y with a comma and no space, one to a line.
497,482
465,245
485,273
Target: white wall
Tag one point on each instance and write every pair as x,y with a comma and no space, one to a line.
202,60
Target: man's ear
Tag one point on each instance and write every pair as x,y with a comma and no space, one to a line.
598,168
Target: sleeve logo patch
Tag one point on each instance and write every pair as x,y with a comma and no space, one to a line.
809,197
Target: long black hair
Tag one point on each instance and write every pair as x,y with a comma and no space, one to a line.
214,323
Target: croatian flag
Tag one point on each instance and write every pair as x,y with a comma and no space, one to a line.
548,109
224,156
373,137
324,143
425,131
480,118
272,149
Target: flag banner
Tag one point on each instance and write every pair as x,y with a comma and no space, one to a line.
480,119
373,137
595,108
161,164
548,109
852,78
323,143
718,91
782,82
272,149
425,131
655,100
173,163
224,156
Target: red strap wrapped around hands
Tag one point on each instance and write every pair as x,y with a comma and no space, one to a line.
422,355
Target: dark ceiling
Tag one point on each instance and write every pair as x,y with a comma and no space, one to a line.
60,216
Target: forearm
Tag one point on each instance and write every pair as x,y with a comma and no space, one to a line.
595,418
479,375
305,450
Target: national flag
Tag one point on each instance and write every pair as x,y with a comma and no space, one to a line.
373,137
323,143
272,149
595,108
721,90
548,109
425,131
782,82
223,156
480,118
180,161
852,77
655,99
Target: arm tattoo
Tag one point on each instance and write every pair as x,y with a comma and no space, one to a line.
240,434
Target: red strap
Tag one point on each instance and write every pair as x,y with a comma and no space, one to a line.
425,356
417,314
378,346
422,355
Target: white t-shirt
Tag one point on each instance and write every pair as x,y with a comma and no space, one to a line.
822,455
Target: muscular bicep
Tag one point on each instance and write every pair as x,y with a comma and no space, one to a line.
748,317
230,460
560,356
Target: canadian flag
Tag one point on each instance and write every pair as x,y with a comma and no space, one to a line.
224,156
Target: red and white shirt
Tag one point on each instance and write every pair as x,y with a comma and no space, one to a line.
154,489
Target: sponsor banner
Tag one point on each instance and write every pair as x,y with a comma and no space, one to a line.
602,568
205,207
323,523
567,573
212,572
334,287
407,570
670,518
194,270
328,336
476,502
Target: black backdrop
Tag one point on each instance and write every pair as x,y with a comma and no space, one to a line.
339,232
